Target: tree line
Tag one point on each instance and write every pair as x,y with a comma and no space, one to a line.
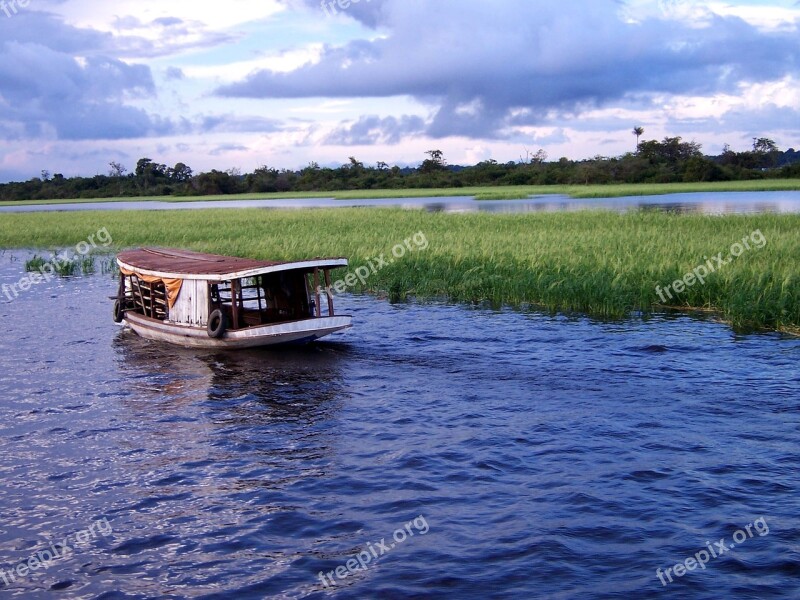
666,161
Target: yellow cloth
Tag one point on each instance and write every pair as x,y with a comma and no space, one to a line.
173,285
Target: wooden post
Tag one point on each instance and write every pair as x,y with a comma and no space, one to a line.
141,294
328,292
235,284
316,291
121,288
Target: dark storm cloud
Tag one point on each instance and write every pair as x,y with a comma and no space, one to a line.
480,63
370,130
46,91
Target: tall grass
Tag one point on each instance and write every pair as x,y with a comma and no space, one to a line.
79,265
594,262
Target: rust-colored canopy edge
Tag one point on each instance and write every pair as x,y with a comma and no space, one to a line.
169,263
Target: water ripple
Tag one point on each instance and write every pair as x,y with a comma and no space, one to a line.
549,457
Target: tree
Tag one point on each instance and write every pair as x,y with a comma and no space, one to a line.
264,179
144,173
434,163
116,169
355,164
764,145
180,173
216,182
766,152
638,131
671,150
149,173
437,156
539,158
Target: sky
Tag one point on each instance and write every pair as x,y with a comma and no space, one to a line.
283,83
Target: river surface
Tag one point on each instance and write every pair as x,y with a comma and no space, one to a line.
701,203
459,452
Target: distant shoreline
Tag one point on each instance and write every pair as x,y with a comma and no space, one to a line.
481,193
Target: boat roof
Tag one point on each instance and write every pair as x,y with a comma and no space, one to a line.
169,263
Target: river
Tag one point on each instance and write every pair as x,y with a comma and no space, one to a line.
434,451
692,203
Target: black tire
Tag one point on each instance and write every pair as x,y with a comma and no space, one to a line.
216,324
119,312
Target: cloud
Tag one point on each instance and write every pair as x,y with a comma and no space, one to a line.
56,81
55,95
751,122
238,124
174,74
368,12
372,130
227,149
478,64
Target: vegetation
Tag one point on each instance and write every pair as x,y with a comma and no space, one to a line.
594,262
511,192
84,265
669,161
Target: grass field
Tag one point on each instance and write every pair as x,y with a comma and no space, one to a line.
479,193
596,262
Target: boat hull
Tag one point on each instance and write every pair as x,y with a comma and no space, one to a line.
295,332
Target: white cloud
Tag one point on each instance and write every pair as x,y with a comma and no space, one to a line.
105,16
769,18
279,62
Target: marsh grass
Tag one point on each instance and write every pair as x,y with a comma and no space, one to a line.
79,265
36,263
595,262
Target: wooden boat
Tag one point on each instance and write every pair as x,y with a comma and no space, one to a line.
210,301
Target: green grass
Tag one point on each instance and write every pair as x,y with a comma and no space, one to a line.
478,192
656,189
83,265
593,262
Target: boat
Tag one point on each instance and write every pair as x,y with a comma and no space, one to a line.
202,300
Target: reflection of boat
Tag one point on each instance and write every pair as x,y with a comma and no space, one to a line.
282,406
210,301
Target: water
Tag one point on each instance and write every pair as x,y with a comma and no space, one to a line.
542,456
701,203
